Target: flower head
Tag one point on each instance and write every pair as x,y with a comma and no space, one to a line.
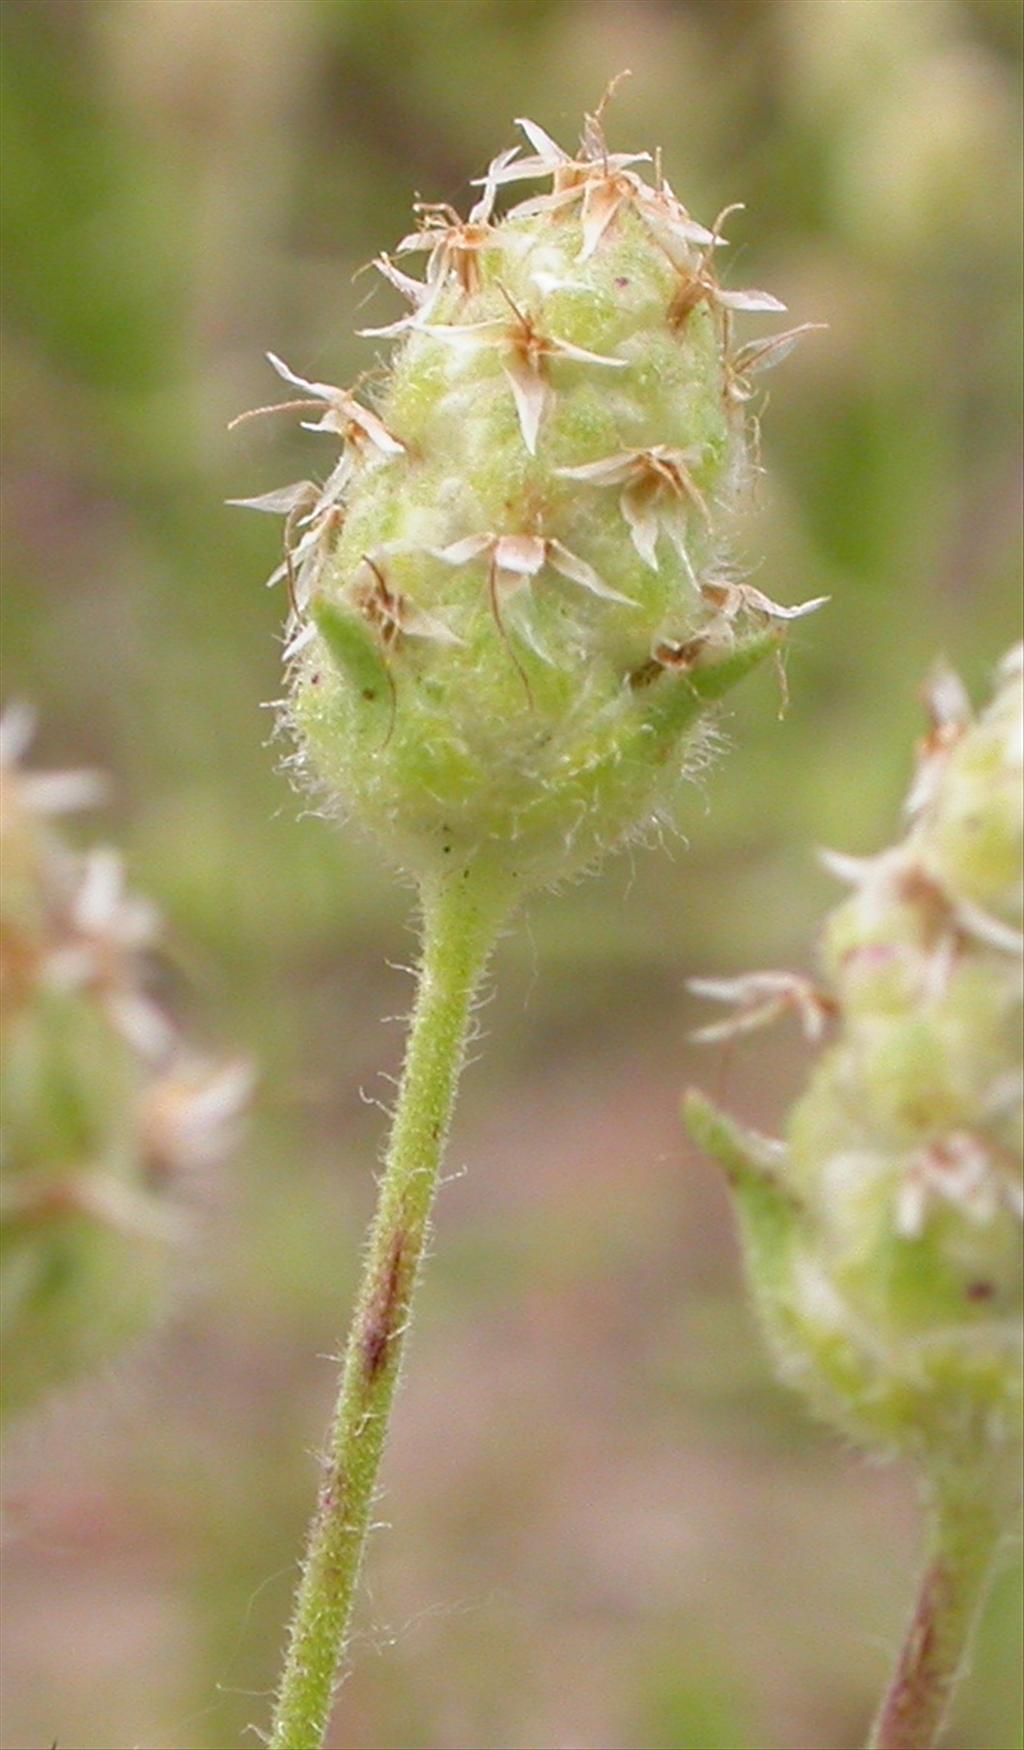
505,625
105,1107
884,1239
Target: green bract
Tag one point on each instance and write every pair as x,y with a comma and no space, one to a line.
883,1236
510,612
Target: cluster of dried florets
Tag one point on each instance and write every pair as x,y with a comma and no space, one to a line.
108,1116
509,603
883,1236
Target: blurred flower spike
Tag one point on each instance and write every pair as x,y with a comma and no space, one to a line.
543,491
883,1235
110,1118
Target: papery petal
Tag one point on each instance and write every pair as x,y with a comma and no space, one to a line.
553,282
616,162
665,213
70,966
190,1114
743,988
546,203
642,519
322,391
100,893
911,1207
333,419
946,697
763,996
481,211
117,1205
532,394
980,924
763,604
547,149
578,571
461,552
745,1021
389,330
750,300
580,355
337,480
140,1022
299,640
601,202
17,727
282,502
63,792
524,555
763,355
417,623
609,471
425,239
376,430
471,336
520,619
853,870
673,522
415,290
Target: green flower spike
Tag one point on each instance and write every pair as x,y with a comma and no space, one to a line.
108,1117
511,613
883,1236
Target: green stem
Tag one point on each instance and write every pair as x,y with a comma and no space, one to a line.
459,929
963,1539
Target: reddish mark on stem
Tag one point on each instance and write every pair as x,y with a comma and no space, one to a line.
916,1702
332,1488
382,1321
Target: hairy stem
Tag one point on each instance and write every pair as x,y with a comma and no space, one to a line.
963,1539
459,928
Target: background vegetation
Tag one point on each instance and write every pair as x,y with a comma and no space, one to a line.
610,1527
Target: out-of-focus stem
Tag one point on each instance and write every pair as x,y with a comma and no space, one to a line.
963,1539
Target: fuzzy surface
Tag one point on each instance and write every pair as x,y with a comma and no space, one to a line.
473,699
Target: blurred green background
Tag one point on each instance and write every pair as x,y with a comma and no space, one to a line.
609,1527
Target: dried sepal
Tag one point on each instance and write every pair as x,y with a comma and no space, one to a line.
603,183
699,284
761,998
658,494
761,355
958,1169
391,611
729,598
342,414
949,712
516,560
526,354
40,793
899,877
